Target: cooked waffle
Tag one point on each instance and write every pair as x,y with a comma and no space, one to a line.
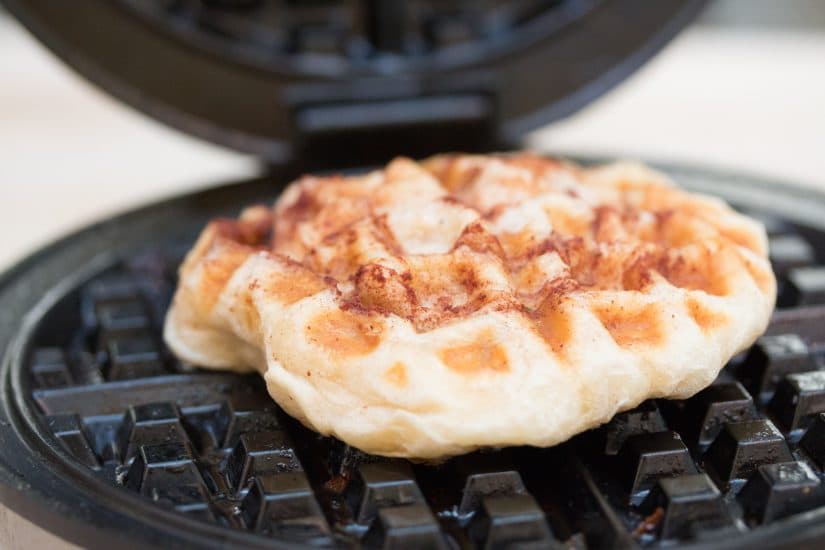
468,301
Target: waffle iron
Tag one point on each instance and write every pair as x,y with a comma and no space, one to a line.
106,439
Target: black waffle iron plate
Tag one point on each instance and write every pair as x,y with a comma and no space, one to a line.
106,439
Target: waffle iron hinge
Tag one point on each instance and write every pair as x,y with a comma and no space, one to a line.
361,127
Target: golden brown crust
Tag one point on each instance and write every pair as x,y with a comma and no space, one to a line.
482,268
336,233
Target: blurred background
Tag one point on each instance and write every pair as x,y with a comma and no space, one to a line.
743,88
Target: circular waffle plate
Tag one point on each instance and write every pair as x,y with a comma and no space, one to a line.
246,73
106,439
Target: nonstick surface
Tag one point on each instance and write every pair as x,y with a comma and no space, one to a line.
106,437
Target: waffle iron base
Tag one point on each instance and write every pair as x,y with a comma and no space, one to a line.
106,439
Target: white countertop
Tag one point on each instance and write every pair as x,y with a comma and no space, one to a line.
69,154
751,100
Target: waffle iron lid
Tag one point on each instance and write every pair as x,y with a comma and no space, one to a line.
355,82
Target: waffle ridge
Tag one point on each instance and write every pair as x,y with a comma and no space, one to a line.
418,294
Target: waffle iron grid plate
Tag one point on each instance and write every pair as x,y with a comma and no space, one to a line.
106,439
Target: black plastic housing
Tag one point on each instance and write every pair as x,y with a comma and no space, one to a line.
339,83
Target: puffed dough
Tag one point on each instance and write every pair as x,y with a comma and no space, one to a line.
429,309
